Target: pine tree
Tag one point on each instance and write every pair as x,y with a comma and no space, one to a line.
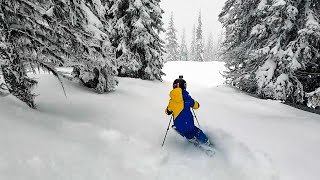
183,47
237,22
272,47
218,48
37,33
135,32
98,68
172,53
199,46
209,49
25,40
193,45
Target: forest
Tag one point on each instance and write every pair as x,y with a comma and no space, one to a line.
270,48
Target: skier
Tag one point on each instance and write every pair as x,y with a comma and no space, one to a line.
179,105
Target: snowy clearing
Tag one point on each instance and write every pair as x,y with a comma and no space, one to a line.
118,135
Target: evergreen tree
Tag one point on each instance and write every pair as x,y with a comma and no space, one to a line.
38,33
20,44
272,47
172,53
199,46
193,45
209,49
97,69
135,32
218,48
183,47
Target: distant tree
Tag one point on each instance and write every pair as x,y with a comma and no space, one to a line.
172,47
193,45
209,49
218,47
183,47
199,45
134,29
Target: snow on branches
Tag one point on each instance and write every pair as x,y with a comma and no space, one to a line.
135,25
45,34
278,40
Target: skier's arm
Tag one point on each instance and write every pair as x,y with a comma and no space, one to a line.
196,104
168,109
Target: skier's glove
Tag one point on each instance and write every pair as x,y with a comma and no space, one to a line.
169,112
196,105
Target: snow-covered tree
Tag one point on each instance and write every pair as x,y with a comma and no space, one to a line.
218,48
171,47
183,47
209,49
97,69
37,33
199,45
237,21
26,40
193,45
134,29
272,47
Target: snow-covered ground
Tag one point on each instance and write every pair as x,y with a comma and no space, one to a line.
118,135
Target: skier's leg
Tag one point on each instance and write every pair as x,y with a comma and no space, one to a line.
177,131
201,137
191,136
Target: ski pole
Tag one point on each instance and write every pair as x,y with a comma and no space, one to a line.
196,117
167,131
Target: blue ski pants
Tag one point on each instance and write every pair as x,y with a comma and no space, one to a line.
197,134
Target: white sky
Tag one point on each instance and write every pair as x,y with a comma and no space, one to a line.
186,14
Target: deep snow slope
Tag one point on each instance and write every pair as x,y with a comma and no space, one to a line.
118,135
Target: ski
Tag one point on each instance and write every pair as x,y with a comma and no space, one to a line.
208,147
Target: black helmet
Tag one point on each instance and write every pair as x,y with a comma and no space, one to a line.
180,82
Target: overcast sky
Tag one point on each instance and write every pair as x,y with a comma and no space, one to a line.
186,14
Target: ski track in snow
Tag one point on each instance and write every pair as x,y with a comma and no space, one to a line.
115,136
233,160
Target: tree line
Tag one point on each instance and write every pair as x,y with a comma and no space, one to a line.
271,48
199,48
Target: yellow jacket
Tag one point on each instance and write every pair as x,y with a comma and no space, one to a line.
180,100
